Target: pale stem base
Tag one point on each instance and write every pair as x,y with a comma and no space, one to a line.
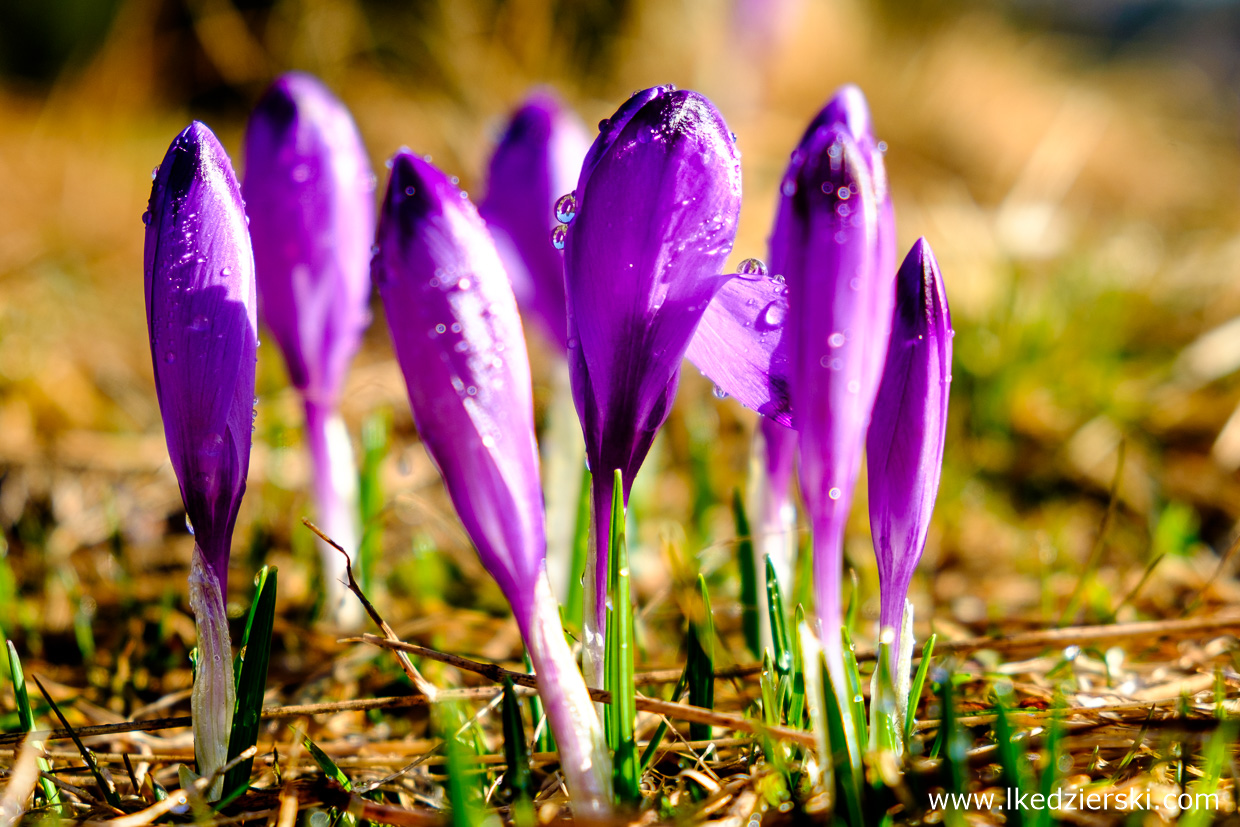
773,525
584,758
902,677
214,697
563,456
336,507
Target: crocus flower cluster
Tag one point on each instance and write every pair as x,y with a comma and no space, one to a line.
309,193
200,311
458,338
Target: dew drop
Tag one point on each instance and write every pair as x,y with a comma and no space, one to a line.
835,493
199,323
409,191
146,217
854,386
170,357
189,526
836,340
882,146
559,236
154,172
789,188
844,193
441,328
566,208
752,267
720,393
301,173
226,272
456,327
773,315
455,180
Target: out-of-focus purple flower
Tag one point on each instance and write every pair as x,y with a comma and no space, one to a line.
905,440
833,241
309,193
200,313
535,164
458,338
657,204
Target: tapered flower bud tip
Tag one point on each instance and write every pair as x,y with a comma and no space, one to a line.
848,106
920,298
201,318
609,129
416,190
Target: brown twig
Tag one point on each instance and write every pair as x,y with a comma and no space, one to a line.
423,685
680,712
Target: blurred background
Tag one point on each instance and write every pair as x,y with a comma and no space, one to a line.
1072,162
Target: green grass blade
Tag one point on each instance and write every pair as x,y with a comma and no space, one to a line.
1011,758
749,577
105,783
779,626
255,655
326,764
544,740
915,690
1053,748
370,496
853,673
701,664
883,708
660,733
845,764
464,790
517,780
797,713
22,698
622,711
581,549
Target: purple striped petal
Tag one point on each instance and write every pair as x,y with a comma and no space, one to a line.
740,344
905,441
309,192
536,162
200,312
458,339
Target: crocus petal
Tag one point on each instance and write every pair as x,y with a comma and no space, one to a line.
831,241
459,342
458,338
657,208
905,440
537,161
740,345
309,192
200,311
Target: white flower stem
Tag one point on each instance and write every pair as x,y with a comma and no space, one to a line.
214,697
336,506
584,758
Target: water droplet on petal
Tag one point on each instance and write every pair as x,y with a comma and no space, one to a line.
835,493
441,328
836,340
409,191
189,526
566,208
720,393
559,236
170,357
199,323
752,267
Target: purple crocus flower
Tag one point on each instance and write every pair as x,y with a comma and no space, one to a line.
309,193
200,313
657,204
833,241
458,338
535,164
905,441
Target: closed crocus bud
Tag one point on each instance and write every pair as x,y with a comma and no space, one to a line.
309,193
657,204
200,312
458,339
832,241
535,164
905,441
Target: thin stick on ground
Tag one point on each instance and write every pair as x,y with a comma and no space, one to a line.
424,686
